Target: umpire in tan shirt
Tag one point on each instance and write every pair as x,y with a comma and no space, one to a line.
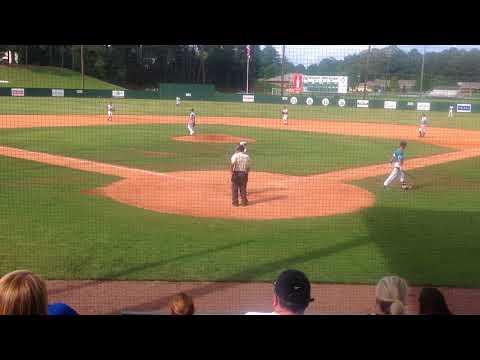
239,168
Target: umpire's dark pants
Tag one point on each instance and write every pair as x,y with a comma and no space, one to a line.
239,184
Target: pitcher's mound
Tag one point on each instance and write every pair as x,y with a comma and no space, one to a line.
213,138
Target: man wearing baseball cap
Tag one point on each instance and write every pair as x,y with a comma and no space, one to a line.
291,294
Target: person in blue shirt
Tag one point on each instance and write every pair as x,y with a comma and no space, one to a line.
396,161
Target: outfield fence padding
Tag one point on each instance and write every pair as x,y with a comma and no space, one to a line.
196,92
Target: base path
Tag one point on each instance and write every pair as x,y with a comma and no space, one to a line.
272,196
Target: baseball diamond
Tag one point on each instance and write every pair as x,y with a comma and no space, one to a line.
214,191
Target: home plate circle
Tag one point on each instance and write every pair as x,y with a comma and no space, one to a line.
208,194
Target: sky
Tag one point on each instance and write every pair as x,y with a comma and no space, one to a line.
312,54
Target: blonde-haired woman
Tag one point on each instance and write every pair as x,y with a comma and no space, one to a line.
23,293
391,295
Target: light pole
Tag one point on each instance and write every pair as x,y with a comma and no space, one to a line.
248,63
421,73
82,66
283,69
365,79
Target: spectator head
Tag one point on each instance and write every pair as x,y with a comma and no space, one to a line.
391,295
23,293
432,302
181,304
291,293
61,309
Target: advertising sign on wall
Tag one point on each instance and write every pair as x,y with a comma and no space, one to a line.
118,93
465,108
18,92
58,92
423,106
248,98
390,104
362,103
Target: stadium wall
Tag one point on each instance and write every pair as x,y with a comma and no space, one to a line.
196,92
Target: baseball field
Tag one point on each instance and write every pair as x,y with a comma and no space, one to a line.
86,199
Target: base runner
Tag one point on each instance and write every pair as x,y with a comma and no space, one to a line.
285,115
396,161
422,130
192,118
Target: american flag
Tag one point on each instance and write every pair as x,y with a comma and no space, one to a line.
248,52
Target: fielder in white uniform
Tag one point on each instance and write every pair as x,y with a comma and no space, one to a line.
192,118
450,111
244,144
109,112
422,130
177,101
396,161
285,115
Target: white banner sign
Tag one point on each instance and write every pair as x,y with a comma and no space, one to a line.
326,84
188,94
309,101
118,93
325,102
58,92
362,103
79,91
248,98
410,103
423,106
465,108
293,100
390,105
18,92
341,102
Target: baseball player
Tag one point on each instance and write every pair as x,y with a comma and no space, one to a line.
396,161
191,122
285,115
422,130
109,111
177,101
450,111
244,144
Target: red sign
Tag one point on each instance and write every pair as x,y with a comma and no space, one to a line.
297,82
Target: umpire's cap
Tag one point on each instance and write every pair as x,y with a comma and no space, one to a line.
240,148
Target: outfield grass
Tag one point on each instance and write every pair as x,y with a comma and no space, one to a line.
48,77
294,153
68,106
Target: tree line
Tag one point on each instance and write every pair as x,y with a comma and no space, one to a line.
145,66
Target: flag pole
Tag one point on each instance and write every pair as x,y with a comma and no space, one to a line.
248,63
